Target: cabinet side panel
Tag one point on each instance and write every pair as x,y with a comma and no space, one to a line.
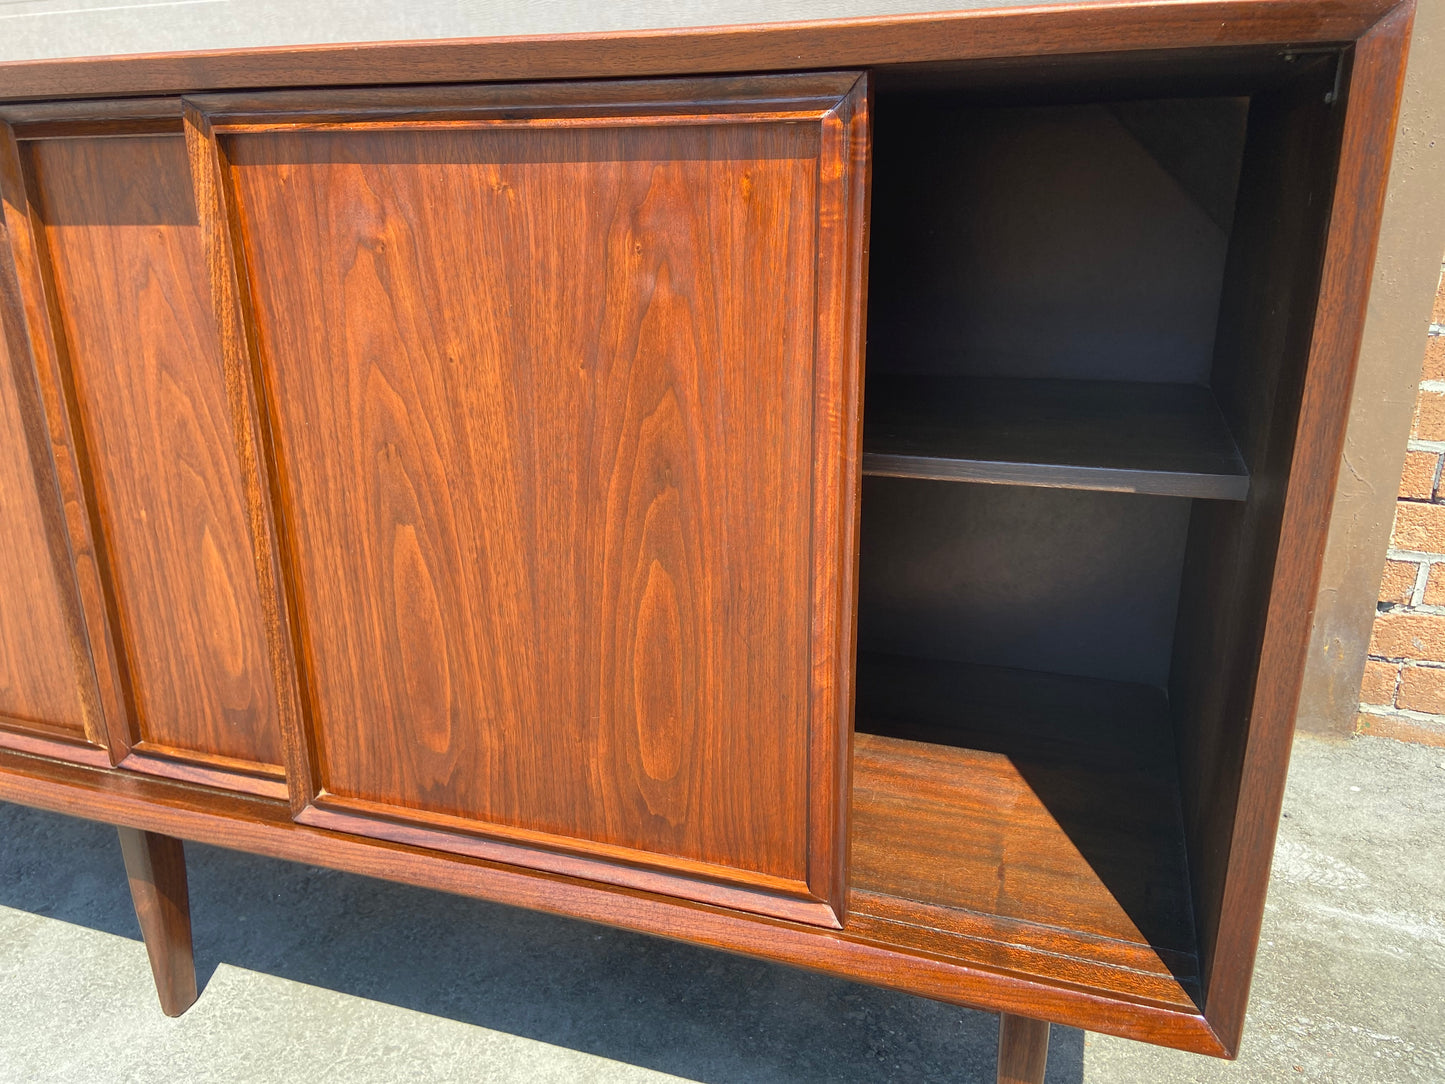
1263,348
38,686
542,402
131,288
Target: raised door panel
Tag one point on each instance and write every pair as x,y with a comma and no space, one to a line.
545,407
39,619
138,328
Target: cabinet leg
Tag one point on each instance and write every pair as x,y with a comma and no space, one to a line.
155,865
1023,1049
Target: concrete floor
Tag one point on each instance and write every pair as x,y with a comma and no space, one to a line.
309,974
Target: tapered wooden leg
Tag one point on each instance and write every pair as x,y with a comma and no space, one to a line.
156,868
1023,1049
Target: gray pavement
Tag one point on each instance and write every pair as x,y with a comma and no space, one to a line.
310,974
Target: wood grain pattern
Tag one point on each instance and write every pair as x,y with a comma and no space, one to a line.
1037,33
247,823
33,374
155,866
409,461
37,675
549,515
1028,796
1314,447
241,364
143,351
1023,1049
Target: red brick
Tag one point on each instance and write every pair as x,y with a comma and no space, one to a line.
1438,316
1430,416
1435,586
1422,688
1419,527
1379,684
1409,636
1398,583
1417,481
1400,728
1434,358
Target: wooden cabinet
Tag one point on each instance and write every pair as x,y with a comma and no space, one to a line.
478,484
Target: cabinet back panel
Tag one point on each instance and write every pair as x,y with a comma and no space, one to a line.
542,402
1063,581
37,679
1075,241
139,331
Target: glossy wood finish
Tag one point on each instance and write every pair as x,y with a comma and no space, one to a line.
1162,439
37,676
1128,957
1325,310
240,361
1037,33
508,529
57,451
988,800
155,865
1023,1050
127,269
262,826
47,685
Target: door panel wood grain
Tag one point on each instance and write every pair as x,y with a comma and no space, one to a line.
543,409
137,320
38,681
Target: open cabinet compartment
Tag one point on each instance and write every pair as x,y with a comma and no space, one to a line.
1089,317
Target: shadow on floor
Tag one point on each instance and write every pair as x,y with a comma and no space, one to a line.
695,1013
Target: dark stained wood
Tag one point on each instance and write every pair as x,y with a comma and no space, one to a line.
840,332
1031,797
1164,439
260,826
1124,971
215,771
24,739
1236,775
49,547
612,635
1088,773
656,102
155,865
240,362
125,252
1118,26
1023,1049
37,673
119,118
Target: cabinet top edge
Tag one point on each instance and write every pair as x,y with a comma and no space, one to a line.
793,95
986,33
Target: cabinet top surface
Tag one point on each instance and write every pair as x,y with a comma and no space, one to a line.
87,48
45,29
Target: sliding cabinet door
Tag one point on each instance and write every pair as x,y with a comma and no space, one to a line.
561,389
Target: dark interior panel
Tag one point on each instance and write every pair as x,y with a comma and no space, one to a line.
1059,580
1078,241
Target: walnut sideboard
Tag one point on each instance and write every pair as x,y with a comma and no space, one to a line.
454,462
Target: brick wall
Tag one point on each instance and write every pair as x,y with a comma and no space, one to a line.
1403,694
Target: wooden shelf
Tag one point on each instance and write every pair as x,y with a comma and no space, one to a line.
1027,821
1164,439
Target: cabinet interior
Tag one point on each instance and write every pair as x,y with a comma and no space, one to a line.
1087,327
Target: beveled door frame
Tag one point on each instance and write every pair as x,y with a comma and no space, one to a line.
837,103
